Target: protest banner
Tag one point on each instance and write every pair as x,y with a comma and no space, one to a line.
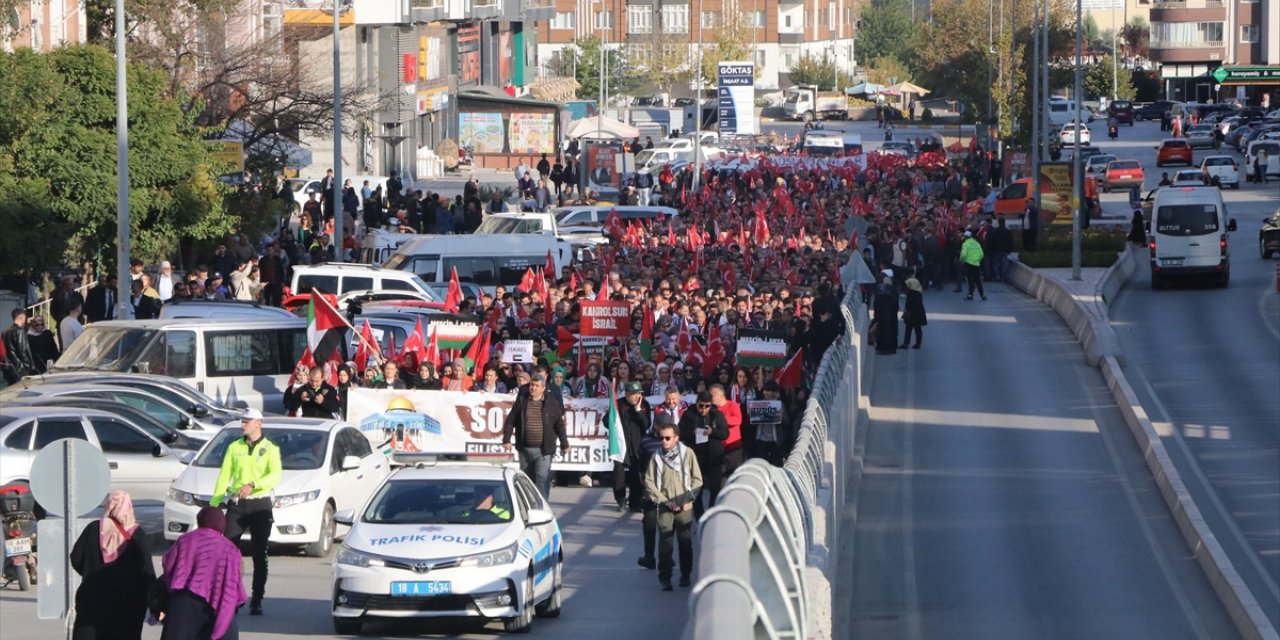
606,318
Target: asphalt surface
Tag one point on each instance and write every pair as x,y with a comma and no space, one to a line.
1205,362
606,594
1003,495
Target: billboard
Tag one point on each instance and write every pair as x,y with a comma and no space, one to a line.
481,131
533,133
736,96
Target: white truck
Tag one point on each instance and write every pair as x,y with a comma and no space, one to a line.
805,102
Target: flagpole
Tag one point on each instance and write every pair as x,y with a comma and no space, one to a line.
317,294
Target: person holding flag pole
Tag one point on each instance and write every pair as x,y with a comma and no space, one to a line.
627,421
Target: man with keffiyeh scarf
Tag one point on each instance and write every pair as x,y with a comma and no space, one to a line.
671,482
113,560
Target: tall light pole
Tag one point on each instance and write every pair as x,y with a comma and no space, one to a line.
124,308
1076,166
697,140
1044,80
1115,70
339,213
1035,100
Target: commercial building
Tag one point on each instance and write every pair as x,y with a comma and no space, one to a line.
1217,50
43,24
779,32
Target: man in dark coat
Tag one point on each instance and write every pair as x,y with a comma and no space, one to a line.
704,430
316,399
635,415
100,304
18,358
999,245
536,424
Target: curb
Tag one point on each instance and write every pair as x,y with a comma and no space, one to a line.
1089,320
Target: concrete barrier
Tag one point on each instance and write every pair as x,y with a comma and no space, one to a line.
1088,317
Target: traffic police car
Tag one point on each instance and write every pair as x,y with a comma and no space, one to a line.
450,536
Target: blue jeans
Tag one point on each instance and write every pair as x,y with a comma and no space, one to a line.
537,465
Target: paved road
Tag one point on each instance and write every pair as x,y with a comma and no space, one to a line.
1205,363
1004,497
606,594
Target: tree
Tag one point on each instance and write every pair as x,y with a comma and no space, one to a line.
1098,80
665,63
814,70
581,61
58,157
885,30
731,42
1092,34
1137,37
887,71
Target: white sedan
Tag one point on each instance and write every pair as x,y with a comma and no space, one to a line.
1224,168
328,466
1069,132
450,538
1188,178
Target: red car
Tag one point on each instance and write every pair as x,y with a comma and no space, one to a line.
1122,174
1173,150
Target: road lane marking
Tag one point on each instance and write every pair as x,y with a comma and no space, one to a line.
965,317
982,419
1209,490
1184,602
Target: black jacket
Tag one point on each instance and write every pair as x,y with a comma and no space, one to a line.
999,240
310,408
43,349
713,449
635,423
552,421
913,314
18,351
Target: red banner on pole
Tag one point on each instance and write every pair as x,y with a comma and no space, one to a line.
606,318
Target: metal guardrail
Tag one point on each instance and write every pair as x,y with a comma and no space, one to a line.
758,541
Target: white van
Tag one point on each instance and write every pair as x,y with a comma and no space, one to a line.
823,145
1189,227
379,244
221,310
486,260
345,277
237,362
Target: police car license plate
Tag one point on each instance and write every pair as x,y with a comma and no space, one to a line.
17,546
425,588
1171,262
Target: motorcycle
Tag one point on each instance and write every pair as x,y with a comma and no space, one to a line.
18,520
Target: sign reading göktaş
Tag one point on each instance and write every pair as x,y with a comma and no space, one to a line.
737,93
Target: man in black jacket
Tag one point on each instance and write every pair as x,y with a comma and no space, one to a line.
704,430
1000,244
18,359
536,423
100,304
634,413
317,398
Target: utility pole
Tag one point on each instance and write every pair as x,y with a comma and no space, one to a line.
124,309
697,141
1044,80
1115,71
1077,167
339,215
1035,106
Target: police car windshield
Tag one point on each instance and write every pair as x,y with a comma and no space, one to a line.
300,449
443,501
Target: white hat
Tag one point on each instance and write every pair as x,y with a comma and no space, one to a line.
968,234
250,414
887,272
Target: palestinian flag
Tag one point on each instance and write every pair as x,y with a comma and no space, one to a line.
613,422
477,351
761,349
646,333
325,326
452,333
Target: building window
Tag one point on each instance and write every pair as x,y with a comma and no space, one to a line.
758,56
639,52
564,20
710,19
604,20
1249,33
831,14
272,20
758,19
786,21
675,18
1186,35
640,19
789,56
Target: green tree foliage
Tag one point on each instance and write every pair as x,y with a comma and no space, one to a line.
1098,80
1137,37
885,30
1093,35
731,42
58,162
814,70
582,62
887,71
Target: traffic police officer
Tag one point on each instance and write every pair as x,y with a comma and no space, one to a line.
250,471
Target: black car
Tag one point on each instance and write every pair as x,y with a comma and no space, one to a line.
1122,111
1152,111
1269,236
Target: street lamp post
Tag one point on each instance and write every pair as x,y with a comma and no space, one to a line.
124,308
339,213
697,141
1035,100
1077,166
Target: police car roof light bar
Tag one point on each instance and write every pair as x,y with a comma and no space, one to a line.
427,459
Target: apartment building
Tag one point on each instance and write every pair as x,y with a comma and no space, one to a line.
779,32
43,24
1217,50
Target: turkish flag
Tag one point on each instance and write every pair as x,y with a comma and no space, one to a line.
453,299
790,375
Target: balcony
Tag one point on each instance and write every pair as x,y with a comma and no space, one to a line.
1169,51
1187,11
538,10
428,10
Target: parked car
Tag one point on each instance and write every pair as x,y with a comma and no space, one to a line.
175,416
1154,110
1122,111
1269,236
217,309
1098,163
1201,136
328,466
1188,178
1122,174
1224,168
179,393
177,440
140,464
1173,150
